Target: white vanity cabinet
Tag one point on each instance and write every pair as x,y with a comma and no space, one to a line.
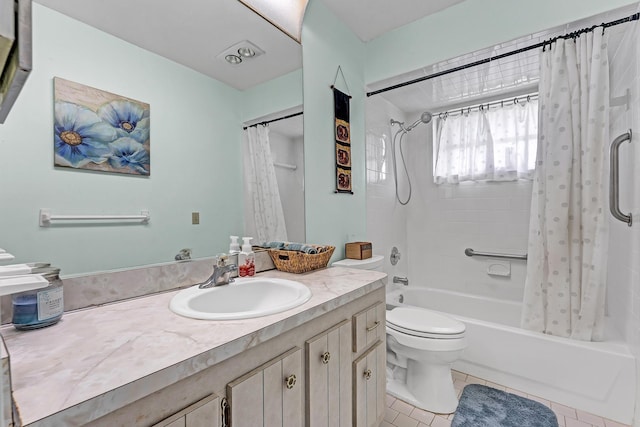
317,381
204,413
270,395
328,367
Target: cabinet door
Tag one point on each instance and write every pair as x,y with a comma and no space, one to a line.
204,413
369,383
368,326
329,377
270,395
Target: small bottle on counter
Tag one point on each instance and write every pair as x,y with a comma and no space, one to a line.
234,246
246,259
40,307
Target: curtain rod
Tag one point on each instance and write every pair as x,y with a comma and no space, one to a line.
542,44
481,106
266,122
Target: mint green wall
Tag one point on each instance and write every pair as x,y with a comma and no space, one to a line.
469,26
195,157
276,95
326,43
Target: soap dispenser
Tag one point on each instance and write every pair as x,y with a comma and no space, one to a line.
246,259
234,246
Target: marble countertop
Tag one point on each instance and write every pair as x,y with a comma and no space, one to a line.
100,359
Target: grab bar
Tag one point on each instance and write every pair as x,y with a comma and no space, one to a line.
471,252
46,217
614,191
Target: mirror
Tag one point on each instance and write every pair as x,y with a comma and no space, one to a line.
286,151
194,192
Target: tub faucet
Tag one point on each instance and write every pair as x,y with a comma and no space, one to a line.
403,280
221,273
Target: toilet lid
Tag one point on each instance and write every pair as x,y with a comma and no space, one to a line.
423,322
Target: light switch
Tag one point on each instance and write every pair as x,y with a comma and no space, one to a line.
195,218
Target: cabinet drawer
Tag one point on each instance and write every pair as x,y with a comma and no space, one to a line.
368,326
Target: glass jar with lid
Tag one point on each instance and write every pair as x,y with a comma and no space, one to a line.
39,307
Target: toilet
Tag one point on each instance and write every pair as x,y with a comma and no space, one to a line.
421,347
373,263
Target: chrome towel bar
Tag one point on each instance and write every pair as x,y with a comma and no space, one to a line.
614,179
471,252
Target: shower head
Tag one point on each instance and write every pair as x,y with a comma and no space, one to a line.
424,118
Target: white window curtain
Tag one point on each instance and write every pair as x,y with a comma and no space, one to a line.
566,270
487,144
265,206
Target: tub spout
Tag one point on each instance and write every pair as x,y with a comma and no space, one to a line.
403,280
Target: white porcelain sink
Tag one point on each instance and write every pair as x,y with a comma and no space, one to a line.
243,299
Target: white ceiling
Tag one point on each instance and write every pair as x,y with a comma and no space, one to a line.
194,32
369,19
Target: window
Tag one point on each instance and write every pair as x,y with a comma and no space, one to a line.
376,154
490,143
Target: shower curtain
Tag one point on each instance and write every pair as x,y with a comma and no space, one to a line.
268,215
566,271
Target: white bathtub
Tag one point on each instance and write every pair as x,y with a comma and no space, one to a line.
596,377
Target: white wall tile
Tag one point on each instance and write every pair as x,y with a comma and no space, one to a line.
623,279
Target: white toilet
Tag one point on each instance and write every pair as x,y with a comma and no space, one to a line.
373,263
423,345
426,343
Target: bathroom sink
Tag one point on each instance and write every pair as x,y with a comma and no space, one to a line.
243,299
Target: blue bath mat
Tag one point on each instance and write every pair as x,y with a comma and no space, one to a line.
482,406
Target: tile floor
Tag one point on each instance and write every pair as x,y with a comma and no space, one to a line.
401,414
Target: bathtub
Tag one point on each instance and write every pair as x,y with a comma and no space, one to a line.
597,377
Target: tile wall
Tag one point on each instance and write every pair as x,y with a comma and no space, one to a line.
386,218
624,243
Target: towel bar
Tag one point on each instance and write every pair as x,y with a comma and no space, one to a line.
46,218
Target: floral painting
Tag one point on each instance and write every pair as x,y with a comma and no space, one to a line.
100,131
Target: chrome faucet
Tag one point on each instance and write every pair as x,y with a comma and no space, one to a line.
221,273
403,280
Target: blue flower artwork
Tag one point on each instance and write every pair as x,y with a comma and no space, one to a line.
100,131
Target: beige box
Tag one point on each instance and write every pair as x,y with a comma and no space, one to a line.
358,250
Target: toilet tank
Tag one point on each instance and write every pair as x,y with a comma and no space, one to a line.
373,263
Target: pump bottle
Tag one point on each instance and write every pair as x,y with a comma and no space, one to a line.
246,259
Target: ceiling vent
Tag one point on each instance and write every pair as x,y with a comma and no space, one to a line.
239,52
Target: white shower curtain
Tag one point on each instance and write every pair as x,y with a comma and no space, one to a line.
566,271
267,212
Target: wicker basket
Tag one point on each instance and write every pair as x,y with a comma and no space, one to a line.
299,262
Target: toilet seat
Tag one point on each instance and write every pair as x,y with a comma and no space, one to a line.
420,322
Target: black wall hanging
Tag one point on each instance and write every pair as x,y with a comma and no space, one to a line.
342,133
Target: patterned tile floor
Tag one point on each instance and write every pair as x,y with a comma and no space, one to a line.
401,414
